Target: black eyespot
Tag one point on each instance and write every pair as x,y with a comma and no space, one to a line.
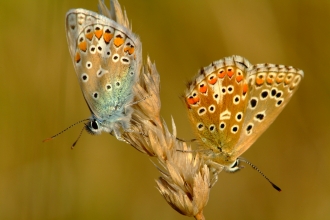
249,127
211,108
118,84
273,92
201,110
279,102
125,60
84,77
260,116
253,103
236,99
222,125
278,94
264,94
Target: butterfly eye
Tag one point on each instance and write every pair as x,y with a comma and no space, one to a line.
234,167
95,125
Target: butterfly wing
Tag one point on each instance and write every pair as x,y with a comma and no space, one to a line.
107,60
216,101
270,89
230,104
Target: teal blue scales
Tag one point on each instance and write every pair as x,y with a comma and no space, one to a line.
106,56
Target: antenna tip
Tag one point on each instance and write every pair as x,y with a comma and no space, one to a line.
48,139
276,187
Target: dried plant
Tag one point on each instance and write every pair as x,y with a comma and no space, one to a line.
185,180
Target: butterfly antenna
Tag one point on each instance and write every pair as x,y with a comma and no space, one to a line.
74,144
133,103
51,138
183,140
256,168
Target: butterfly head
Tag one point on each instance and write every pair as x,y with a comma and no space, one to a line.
93,126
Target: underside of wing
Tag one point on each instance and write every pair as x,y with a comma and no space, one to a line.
270,89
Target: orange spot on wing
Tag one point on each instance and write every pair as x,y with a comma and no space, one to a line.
192,100
245,89
259,81
107,37
287,81
83,46
230,72
77,57
130,50
269,81
118,41
196,99
203,88
89,35
212,80
222,74
98,33
279,80
239,78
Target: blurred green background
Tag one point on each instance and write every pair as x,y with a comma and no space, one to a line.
103,178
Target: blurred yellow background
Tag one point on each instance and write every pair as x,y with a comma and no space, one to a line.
103,178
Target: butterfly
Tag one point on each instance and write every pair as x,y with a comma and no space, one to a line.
106,56
231,103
